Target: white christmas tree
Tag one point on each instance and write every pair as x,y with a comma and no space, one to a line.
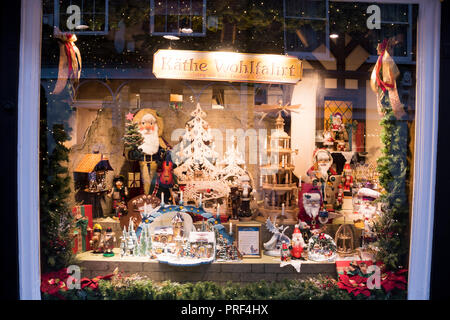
233,165
196,150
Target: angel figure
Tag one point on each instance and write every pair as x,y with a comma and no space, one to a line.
273,246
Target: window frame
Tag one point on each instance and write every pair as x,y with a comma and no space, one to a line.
56,22
179,33
426,126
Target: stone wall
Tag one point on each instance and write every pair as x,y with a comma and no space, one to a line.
219,272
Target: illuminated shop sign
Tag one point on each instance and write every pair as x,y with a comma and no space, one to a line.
226,66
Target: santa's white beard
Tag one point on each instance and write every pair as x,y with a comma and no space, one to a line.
311,211
367,211
324,171
298,240
151,142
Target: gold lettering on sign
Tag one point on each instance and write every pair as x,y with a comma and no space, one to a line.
226,66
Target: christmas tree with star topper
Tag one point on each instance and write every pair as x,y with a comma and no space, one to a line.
132,137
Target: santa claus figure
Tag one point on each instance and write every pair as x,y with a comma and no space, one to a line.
328,140
368,211
297,243
324,176
338,127
150,126
347,179
310,202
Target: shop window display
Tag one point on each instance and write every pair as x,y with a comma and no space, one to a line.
171,138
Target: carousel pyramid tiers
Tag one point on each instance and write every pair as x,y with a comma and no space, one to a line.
280,150
279,187
275,168
279,134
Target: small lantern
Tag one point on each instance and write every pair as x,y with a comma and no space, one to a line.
344,240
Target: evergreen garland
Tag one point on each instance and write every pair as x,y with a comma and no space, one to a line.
392,227
140,288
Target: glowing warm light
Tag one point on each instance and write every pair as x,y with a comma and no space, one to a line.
169,37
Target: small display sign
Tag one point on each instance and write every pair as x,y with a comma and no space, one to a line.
249,240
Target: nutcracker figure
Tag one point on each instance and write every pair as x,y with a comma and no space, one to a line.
119,194
95,242
347,179
340,196
235,202
246,196
108,240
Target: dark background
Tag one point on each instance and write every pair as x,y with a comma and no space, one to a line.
9,66
9,72
440,276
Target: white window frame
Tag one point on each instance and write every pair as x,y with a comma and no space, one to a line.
303,54
427,104
56,22
179,33
326,19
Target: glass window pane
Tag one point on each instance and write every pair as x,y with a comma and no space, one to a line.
265,114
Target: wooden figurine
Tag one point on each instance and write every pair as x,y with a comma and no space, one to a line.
107,243
95,242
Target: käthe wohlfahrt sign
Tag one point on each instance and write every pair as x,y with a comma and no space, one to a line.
226,66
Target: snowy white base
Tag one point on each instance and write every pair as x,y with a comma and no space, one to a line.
273,253
183,262
295,263
321,258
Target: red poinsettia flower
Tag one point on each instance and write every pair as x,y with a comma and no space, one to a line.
354,284
394,280
54,282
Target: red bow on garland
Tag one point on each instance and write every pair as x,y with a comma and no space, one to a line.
69,67
382,49
383,77
93,283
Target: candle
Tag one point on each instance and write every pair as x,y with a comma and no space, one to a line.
200,200
218,210
231,228
162,198
181,197
282,209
